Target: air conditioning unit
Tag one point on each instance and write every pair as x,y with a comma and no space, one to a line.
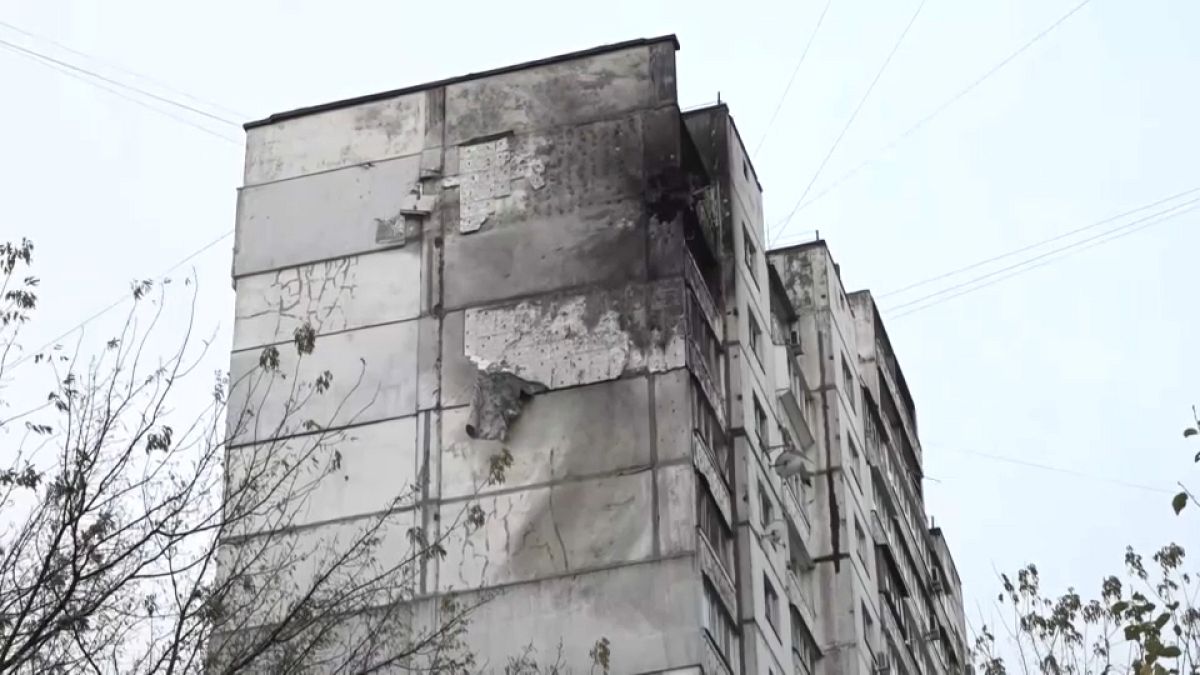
883,664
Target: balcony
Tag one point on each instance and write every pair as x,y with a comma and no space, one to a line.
792,392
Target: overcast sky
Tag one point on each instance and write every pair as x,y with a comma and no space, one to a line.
1079,365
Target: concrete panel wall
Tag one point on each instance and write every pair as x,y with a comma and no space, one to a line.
499,226
601,87
323,477
546,531
559,435
567,340
332,296
336,138
325,216
646,611
374,378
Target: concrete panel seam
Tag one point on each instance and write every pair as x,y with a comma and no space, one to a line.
315,261
331,333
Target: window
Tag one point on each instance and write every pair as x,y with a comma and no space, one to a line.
716,621
771,604
756,337
848,384
706,341
860,541
760,424
855,460
750,252
712,524
803,649
766,511
704,420
868,626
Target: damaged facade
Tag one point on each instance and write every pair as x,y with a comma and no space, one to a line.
714,460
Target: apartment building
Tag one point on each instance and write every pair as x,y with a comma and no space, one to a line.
714,455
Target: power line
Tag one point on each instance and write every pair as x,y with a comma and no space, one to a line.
1020,268
91,73
1057,469
850,120
120,94
116,303
942,108
803,54
1036,244
82,74
120,68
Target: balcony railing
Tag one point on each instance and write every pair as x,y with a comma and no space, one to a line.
792,394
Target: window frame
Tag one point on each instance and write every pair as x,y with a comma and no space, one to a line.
771,604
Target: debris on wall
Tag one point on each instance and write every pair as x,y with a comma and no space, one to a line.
583,338
486,174
496,402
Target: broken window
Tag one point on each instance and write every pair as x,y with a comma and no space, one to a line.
712,525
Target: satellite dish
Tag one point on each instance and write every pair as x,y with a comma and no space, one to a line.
790,463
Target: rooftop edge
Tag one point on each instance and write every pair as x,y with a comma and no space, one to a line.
369,98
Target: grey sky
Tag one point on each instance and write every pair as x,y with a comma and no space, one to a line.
1080,364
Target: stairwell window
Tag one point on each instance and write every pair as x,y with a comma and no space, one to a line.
766,511
756,336
848,384
771,604
760,424
750,253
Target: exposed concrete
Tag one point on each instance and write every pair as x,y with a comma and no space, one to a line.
562,341
497,400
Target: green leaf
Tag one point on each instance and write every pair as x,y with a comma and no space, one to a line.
1170,651
1190,431
1119,607
1179,502
1162,620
